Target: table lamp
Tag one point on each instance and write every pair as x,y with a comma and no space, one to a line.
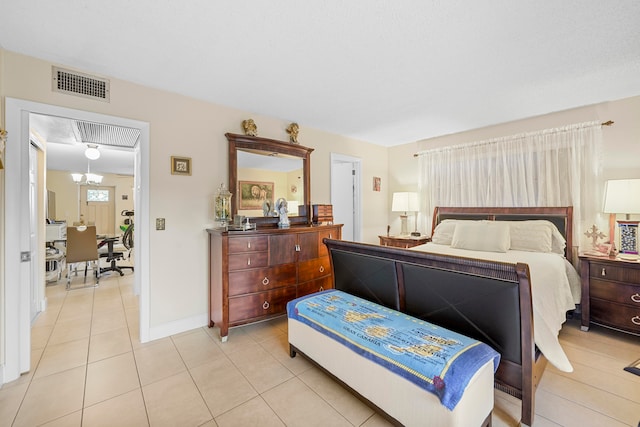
404,202
622,196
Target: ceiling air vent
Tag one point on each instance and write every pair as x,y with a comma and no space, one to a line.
74,83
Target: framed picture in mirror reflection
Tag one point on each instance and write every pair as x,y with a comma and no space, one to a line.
253,194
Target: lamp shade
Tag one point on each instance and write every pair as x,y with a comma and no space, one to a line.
405,202
622,196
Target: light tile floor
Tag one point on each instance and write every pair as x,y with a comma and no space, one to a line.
90,369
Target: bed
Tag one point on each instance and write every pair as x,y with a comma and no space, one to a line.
470,293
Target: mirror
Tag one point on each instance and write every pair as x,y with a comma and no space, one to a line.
263,170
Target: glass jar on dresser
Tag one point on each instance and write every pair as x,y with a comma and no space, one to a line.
254,274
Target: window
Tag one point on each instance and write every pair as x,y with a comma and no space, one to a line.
94,195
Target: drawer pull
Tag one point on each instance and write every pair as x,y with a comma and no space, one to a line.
297,247
248,261
248,245
321,289
635,320
635,298
265,281
330,236
266,305
322,269
603,272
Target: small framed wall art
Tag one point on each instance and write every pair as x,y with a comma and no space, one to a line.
180,165
376,183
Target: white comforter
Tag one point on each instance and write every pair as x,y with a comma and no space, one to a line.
550,289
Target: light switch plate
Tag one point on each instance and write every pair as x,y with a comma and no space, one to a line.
159,223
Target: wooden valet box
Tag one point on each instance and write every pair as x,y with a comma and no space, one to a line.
322,214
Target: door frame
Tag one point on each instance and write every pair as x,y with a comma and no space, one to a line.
356,163
16,325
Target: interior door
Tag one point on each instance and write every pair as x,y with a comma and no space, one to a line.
345,195
34,298
97,206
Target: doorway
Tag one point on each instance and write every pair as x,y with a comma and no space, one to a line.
18,274
346,195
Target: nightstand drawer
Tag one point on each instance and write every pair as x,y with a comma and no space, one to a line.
615,315
615,292
620,273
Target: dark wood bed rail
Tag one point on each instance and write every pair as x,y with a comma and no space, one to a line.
486,300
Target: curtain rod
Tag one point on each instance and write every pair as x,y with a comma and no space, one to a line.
607,123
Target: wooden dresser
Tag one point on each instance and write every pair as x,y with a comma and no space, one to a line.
253,274
610,293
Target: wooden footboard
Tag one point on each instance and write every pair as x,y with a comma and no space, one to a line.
486,300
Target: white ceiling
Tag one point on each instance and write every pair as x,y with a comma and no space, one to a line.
387,72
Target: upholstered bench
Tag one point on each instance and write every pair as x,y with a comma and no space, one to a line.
416,373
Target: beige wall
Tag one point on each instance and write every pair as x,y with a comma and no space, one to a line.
183,126
621,141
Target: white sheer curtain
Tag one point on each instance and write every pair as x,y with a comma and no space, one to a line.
553,167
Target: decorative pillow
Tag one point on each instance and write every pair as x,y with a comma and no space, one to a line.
537,235
443,234
532,237
488,236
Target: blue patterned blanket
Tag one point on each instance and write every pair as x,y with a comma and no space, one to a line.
434,358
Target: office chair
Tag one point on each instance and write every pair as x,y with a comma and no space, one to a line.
112,255
82,247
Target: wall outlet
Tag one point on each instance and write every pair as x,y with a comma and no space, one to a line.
159,223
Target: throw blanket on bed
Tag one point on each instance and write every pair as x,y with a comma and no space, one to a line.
434,358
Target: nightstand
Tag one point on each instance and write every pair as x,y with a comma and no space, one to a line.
403,241
610,293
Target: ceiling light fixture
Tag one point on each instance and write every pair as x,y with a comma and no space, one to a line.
92,152
89,178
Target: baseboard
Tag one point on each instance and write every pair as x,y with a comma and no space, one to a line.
171,328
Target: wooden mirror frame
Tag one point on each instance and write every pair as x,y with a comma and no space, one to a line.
237,141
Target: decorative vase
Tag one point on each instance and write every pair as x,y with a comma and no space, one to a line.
223,206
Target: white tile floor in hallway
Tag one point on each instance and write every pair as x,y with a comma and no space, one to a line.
89,369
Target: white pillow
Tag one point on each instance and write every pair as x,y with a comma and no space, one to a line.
443,233
530,235
488,236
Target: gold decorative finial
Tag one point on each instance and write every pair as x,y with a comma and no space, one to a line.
249,127
293,130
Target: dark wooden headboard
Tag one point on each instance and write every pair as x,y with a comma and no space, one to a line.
561,217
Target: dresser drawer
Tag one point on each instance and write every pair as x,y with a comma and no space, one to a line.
248,260
620,273
615,292
317,285
616,315
261,304
262,279
314,269
248,244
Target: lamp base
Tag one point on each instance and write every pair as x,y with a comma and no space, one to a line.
403,225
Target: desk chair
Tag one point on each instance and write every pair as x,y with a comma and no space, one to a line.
112,256
82,247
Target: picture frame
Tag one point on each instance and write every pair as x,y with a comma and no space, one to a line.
376,183
253,194
180,165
